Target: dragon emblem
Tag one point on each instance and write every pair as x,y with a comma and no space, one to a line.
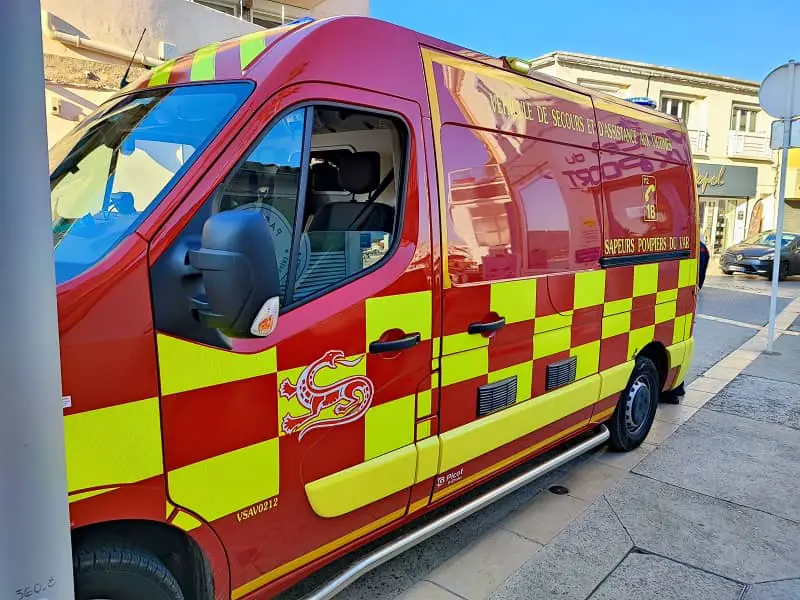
341,402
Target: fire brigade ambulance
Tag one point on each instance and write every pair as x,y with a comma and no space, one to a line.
317,281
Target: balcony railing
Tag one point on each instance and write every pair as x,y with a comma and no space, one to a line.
699,140
748,145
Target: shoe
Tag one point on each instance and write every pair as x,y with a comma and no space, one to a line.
674,396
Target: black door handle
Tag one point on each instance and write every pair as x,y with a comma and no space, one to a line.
487,327
395,345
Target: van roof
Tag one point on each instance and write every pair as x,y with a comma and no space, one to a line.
241,57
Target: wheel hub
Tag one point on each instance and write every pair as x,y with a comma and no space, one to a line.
638,405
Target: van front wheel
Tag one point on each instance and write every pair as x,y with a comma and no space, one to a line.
636,409
120,573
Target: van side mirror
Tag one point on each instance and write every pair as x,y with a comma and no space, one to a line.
237,263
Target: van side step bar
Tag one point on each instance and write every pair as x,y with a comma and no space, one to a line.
385,553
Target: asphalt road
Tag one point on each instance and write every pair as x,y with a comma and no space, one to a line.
730,311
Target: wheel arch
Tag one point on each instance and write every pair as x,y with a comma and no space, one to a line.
657,352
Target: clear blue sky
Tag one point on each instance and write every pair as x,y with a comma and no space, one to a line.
723,37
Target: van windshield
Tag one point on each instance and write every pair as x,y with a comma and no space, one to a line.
111,170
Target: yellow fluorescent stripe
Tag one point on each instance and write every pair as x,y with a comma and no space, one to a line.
186,522
251,46
667,296
160,75
645,279
687,362
551,342
436,124
370,481
114,445
221,485
617,306
92,494
204,63
458,342
616,324
469,441
409,312
551,322
264,579
588,359
423,430
514,300
389,426
524,375
427,458
424,404
437,347
676,354
615,379
590,289
665,312
418,505
687,273
188,366
504,463
464,366
678,329
687,329
639,338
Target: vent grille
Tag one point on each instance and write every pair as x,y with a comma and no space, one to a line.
496,396
561,373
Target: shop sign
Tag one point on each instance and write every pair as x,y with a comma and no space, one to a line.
725,181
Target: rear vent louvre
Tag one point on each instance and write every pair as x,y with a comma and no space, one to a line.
561,373
498,395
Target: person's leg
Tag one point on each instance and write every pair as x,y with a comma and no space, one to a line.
674,396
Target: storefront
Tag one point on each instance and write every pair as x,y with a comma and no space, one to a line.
726,196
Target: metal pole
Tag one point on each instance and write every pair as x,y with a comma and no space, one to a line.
35,555
776,261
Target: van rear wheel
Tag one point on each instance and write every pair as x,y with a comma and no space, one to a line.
121,573
636,408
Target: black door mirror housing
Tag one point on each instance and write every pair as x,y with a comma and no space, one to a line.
237,262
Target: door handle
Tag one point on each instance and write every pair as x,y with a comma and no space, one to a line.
395,345
487,327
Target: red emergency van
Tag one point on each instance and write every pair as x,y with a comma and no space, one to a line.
318,280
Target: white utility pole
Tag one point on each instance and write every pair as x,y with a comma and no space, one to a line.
35,555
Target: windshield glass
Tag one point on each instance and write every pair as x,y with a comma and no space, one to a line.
111,170
768,239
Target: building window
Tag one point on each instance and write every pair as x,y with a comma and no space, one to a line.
221,6
676,107
744,119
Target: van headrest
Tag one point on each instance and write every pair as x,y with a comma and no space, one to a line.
325,178
360,172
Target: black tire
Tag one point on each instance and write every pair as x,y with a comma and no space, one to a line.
724,272
120,573
636,409
783,272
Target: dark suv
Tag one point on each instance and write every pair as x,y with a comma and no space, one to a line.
755,256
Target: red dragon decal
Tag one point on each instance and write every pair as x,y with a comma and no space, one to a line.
349,398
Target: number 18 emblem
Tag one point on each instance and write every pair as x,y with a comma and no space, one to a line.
650,195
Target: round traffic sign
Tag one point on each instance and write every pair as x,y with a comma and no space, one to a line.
779,95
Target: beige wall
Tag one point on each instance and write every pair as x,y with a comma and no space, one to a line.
331,8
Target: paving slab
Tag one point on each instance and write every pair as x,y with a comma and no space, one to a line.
572,565
744,461
760,399
726,338
725,539
648,576
796,325
777,590
783,366
736,305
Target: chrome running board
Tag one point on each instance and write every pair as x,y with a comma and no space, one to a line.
364,565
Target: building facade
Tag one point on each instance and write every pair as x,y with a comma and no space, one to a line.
88,44
735,169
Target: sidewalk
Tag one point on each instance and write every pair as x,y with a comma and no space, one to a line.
707,508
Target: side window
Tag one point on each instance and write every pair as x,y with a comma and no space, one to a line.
348,217
268,181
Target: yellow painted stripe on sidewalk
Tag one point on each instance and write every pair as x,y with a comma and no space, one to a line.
114,445
241,478
204,63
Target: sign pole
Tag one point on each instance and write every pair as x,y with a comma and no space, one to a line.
35,555
776,261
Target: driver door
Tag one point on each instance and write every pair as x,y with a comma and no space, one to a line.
295,445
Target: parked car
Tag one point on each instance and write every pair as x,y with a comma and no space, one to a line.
756,255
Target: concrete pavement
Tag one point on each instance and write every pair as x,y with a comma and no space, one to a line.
708,507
